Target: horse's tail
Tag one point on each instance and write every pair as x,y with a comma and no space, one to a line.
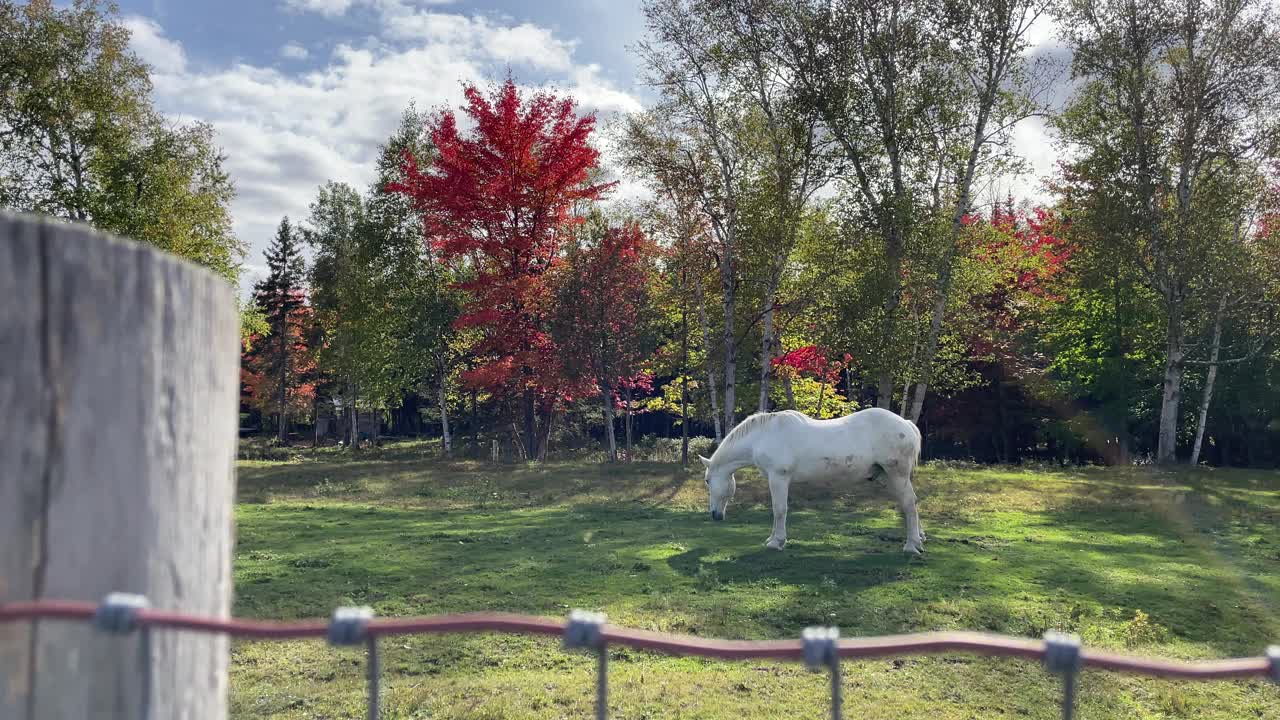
919,446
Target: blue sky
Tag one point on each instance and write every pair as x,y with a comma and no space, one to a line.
303,91
214,33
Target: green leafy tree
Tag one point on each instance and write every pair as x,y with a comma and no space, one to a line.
880,78
1172,125
80,139
693,146
384,304
419,290
70,92
169,189
350,347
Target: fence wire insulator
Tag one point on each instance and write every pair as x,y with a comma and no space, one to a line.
1273,656
586,630
117,614
350,626
1062,657
821,646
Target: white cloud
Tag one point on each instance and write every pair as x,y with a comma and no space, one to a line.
328,8
146,38
1034,144
528,44
593,91
1043,33
520,44
1031,140
294,51
336,8
286,133
251,274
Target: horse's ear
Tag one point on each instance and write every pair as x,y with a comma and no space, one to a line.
705,461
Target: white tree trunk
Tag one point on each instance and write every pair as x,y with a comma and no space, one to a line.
355,424
912,368
987,96
684,381
931,343
545,445
730,351
606,397
627,422
119,393
446,438
890,327
1171,390
282,430
1171,397
1208,381
767,343
707,345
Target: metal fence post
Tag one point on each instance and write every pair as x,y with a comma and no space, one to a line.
350,626
118,614
822,649
586,630
1062,656
143,693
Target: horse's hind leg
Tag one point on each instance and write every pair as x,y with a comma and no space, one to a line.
778,486
900,484
919,527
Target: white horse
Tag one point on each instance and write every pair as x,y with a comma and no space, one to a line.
871,444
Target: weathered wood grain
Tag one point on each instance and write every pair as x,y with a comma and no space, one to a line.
119,389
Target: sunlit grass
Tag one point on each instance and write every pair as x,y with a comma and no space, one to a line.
1179,565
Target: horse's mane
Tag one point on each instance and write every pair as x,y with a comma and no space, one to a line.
748,427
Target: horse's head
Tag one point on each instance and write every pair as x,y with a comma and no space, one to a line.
720,486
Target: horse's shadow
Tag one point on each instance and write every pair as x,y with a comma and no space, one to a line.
799,565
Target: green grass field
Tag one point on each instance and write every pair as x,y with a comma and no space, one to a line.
1183,565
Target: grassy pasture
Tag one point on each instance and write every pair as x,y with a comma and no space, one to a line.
1178,564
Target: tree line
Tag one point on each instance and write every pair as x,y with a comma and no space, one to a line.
822,231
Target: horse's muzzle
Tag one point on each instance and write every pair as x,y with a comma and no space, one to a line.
717,515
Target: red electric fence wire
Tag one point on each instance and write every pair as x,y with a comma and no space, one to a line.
873,647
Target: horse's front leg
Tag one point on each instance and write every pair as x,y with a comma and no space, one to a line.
779,483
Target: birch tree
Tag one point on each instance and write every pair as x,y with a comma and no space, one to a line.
876,74
1179,101
791,156
694,137
996,91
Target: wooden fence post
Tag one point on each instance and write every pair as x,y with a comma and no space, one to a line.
119,402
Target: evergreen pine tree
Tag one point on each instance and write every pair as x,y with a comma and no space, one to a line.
279,296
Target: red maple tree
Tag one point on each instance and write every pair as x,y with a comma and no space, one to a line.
502,197
1029,253
812,361
259,367
602,318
